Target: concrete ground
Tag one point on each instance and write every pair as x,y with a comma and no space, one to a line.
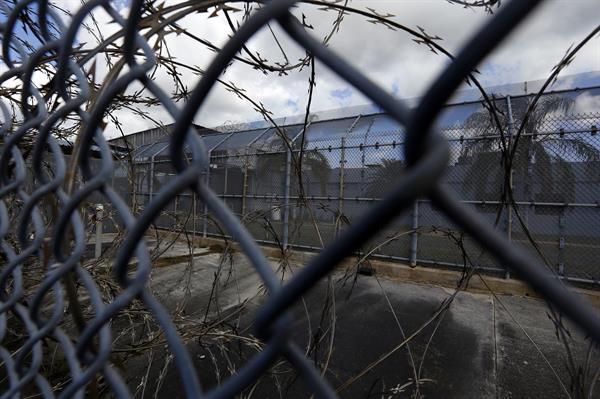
483,346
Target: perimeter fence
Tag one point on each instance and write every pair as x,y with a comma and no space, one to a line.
350,163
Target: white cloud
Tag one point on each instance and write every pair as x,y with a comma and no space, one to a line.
587,103
390,58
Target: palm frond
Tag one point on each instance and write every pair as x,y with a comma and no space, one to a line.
575,146
384,176
319,165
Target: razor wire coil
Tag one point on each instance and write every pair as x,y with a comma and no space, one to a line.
90,354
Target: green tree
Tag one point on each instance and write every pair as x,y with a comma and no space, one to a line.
384,176
271,167
542,161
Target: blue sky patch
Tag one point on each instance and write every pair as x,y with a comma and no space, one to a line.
293,105
341,94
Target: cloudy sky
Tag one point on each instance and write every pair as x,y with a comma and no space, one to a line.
391,58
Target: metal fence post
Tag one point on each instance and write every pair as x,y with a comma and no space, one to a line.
194,214
246,169
205,207
175,215
245,184
99,216
225,182
341,191
136,186
151,178
511,126
414,237
288,183
561,241
207,182
286,199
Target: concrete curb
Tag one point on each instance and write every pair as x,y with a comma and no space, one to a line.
418,274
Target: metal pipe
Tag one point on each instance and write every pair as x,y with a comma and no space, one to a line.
414,237
99,217
286,200
244,186
368,199
342,148
205,207
525,203
152,170
151,188
511,126
207,182
341,191
287,188
561,243
225,178
400,143
246,167
175,209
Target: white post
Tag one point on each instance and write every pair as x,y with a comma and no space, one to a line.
99,216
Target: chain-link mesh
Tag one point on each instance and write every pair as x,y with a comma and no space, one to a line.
357,183
349,164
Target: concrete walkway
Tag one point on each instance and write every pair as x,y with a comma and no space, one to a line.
483,346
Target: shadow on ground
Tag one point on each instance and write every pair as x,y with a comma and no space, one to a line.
476,350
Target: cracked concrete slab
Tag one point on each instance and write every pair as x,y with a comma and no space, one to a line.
481,348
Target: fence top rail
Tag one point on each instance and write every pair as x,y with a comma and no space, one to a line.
559,132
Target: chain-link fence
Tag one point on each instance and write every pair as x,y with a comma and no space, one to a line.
285,187
350,163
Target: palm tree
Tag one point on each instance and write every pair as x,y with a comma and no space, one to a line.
271,165
319,167
542,163
271,171
384,175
